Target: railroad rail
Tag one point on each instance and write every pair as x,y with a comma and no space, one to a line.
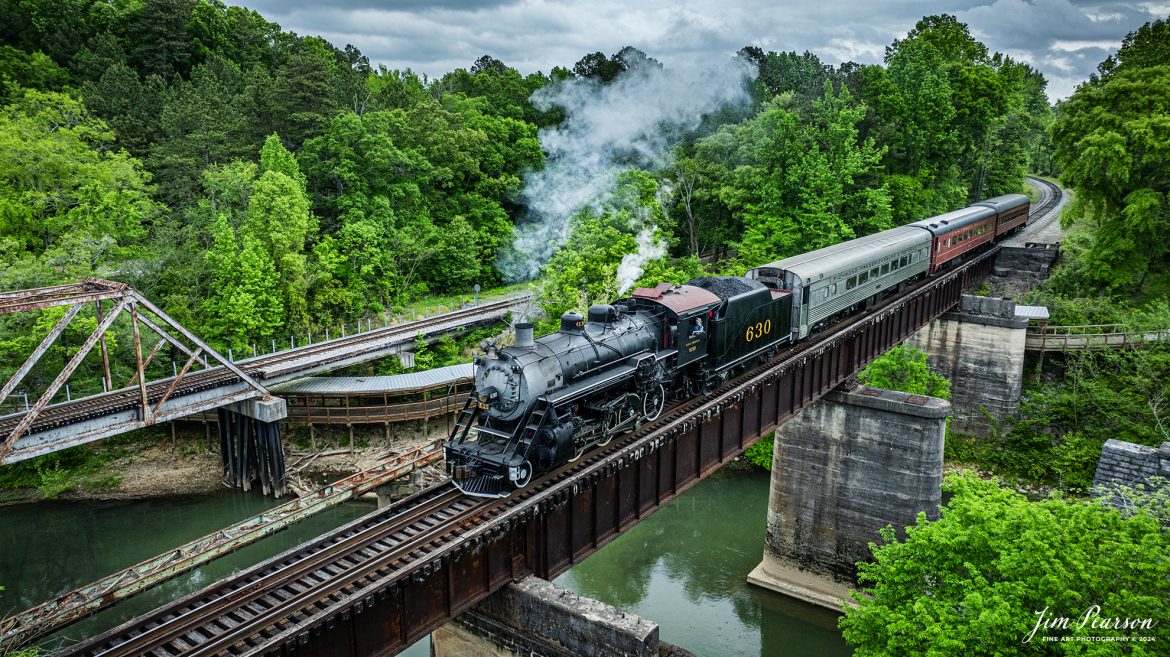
377,585
1090,337
56,426
84,601
1050,195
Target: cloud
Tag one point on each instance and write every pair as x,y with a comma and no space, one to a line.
1059,37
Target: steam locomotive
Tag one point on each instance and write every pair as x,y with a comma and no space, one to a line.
544,402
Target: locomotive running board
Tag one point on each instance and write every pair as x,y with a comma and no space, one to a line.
585,387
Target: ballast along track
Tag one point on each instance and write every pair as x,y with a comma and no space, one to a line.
1052,195
358,608
260,368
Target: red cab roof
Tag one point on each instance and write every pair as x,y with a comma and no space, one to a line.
679,298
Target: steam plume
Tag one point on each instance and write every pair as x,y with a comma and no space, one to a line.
631,122
649,248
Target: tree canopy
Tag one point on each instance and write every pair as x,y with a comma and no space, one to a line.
974,581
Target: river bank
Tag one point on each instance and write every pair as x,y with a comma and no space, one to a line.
154,465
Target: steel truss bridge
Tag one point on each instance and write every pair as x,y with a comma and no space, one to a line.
207,380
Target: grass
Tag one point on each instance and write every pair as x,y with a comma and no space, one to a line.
449,302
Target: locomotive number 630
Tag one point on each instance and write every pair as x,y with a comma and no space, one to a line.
758,330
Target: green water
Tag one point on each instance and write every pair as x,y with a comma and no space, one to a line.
50,548
686,566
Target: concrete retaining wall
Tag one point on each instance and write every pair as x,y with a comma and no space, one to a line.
1128,463
534,617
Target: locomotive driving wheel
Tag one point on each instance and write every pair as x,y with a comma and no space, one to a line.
653,402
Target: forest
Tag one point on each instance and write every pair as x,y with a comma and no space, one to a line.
257,183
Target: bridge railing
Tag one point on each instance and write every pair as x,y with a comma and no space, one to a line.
1090,336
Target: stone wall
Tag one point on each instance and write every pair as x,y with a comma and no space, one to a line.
534,617
1128,463
980,349
844,468
1023,259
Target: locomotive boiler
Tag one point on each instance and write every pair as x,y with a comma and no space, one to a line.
544,402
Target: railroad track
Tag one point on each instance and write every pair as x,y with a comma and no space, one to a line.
281,594
260,368
1050,197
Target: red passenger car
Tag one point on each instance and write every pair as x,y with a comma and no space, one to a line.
957,233
1012,210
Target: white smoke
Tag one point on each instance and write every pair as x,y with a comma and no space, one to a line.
631,122
649,248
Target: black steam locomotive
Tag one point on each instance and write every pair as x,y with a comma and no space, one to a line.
541,403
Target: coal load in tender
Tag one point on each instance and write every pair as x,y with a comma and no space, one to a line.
725,287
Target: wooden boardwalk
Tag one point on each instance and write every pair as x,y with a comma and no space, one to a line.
1089,337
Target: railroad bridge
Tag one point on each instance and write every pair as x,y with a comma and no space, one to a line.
208,380
376,586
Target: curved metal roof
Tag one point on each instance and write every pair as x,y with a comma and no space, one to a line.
945,223
364,385
679,298
1005,202
843,256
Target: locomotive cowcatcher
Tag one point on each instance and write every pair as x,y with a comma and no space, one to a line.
541,403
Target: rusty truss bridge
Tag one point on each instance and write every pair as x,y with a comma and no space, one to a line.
207,380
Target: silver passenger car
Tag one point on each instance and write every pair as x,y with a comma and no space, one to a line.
829,282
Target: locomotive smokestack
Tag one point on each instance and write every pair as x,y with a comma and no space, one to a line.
524,335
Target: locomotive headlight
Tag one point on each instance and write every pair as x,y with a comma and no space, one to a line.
513,473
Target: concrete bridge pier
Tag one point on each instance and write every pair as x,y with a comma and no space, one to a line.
536,617
399,488
980,348
842,469
250,447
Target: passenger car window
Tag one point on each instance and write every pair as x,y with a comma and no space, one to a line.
851,283
885,269
863,277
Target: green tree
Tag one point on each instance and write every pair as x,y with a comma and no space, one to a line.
244,302
1112,143
805,184
904,369
128,105
202,124
973,581
60,182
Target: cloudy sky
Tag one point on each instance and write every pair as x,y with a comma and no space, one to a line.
1065,39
